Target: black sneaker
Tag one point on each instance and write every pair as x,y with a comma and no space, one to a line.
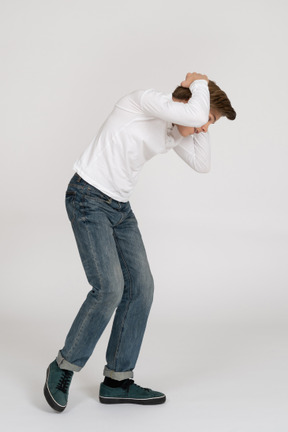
57,386
130,393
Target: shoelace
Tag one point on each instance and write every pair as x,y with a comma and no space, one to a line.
126,385
65,380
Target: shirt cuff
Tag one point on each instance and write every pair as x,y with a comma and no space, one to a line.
196,82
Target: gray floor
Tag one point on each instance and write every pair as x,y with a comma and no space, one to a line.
217,377
216,342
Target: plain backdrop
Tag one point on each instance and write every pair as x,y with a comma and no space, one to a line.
217,242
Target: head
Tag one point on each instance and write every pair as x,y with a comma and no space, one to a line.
220,105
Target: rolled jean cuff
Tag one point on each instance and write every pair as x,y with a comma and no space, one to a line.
64,364
119,376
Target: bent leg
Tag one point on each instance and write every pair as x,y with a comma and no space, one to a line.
98,252
132,313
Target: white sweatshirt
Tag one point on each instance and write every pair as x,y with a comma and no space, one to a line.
140,127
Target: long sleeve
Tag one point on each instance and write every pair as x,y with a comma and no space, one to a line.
194,113
194,149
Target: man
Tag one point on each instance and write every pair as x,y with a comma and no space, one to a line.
141,125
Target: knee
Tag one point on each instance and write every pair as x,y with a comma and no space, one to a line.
146,289
150,288
109,292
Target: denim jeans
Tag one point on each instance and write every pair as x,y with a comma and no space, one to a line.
115,262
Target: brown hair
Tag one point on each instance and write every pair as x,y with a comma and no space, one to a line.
218,99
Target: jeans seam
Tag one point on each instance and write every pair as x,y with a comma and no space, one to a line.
120,221
127,308
90,244
80,331
70,195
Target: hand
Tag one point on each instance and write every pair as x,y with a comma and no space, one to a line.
191,77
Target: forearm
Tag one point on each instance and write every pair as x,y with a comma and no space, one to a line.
194,113
195,150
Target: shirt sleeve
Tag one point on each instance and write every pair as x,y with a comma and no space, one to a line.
195,150
194,113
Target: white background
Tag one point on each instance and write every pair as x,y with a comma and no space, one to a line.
217,242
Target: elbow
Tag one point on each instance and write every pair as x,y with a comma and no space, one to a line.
203,169
202,164
200,168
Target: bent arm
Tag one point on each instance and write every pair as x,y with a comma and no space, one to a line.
195,150
194,113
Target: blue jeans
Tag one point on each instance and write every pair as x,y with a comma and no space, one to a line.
115,262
